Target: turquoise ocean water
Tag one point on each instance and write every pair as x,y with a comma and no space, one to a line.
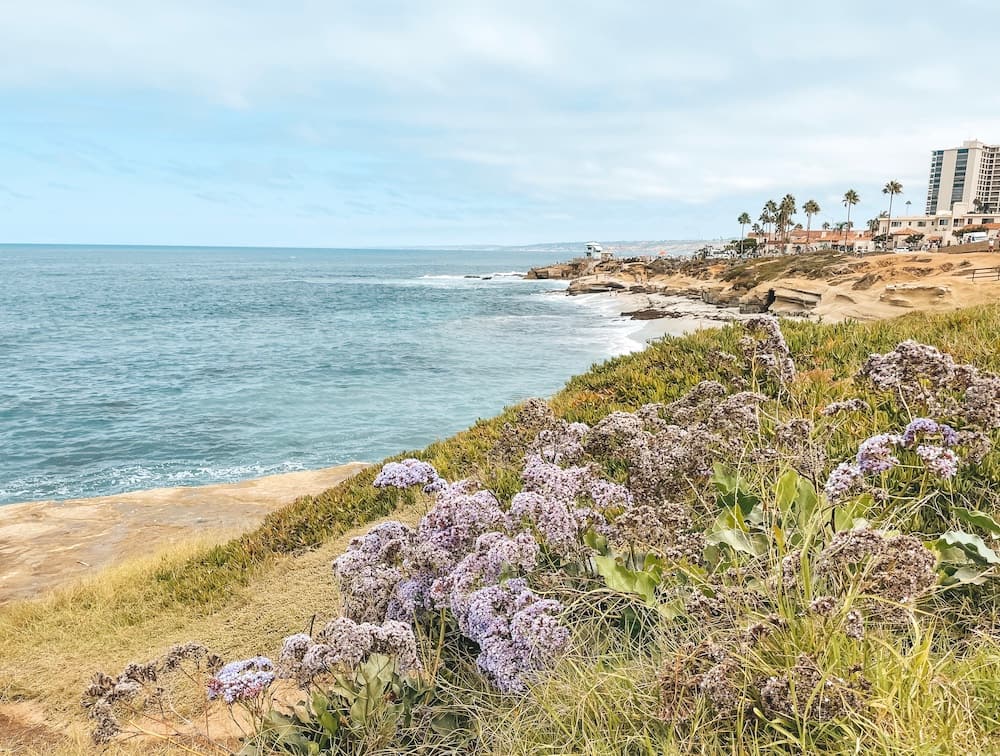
131,368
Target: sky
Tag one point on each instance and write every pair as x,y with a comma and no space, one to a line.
333,124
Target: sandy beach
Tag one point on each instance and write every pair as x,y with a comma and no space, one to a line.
46,544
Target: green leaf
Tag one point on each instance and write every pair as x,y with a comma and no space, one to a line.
977,519
968,574
786,490
806,500
620,578
724,479
596,541
972,545
755,545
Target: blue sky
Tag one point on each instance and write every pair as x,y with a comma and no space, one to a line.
380,123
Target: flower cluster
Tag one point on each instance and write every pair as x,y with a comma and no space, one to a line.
518,632
764,345
494,555
342,645
898,569
561,443
805,690
241,681
845,406
666,529
409,472
922,375
670,448
369,571
930,441
138,684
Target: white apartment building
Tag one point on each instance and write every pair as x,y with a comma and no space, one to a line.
938,228
968,175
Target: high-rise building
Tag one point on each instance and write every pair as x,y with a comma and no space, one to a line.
968,176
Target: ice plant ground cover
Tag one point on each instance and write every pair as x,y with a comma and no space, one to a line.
665,560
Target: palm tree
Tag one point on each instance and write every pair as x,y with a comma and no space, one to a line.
785,212
851,198
892,189
810,208
873,225
826,225
771,207
743,220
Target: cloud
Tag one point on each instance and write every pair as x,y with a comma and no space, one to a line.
470,112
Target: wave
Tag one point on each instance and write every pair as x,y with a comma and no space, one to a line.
119,480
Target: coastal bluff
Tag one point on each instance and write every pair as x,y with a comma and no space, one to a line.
47,544
829,285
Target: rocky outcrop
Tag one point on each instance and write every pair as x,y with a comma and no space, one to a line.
915,295
594,285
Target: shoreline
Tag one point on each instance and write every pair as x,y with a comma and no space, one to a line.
828,286
49,544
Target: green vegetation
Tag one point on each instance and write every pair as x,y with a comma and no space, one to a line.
651,667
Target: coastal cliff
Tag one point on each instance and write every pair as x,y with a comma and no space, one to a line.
831,285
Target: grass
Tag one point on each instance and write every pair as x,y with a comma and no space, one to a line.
241,597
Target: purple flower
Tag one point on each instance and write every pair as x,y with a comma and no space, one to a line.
842,480
875,454
459,516
242,680
409,472
925,425
940,461
518,632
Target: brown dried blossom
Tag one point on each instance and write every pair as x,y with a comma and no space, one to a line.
665,528
804,691
898,569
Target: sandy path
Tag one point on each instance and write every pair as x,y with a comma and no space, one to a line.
48,543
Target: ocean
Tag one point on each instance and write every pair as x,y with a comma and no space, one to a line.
132,368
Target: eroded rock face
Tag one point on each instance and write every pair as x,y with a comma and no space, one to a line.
915,295
594,285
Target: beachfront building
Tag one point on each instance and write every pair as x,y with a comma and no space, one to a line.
816,239
943,229
968,175
853,240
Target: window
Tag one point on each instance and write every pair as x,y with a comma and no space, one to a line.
943,222
895,224
920,224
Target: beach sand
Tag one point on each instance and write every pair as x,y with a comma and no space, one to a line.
46,544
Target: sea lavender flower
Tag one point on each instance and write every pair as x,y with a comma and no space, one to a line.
459,516
875,454
925,426
899,568
555,520
343,644
409,472
369,571
562,443
854,625
981,403
805,690
940,461
847,405
242,680
842,481
666,528
517,631
766,345
494,554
